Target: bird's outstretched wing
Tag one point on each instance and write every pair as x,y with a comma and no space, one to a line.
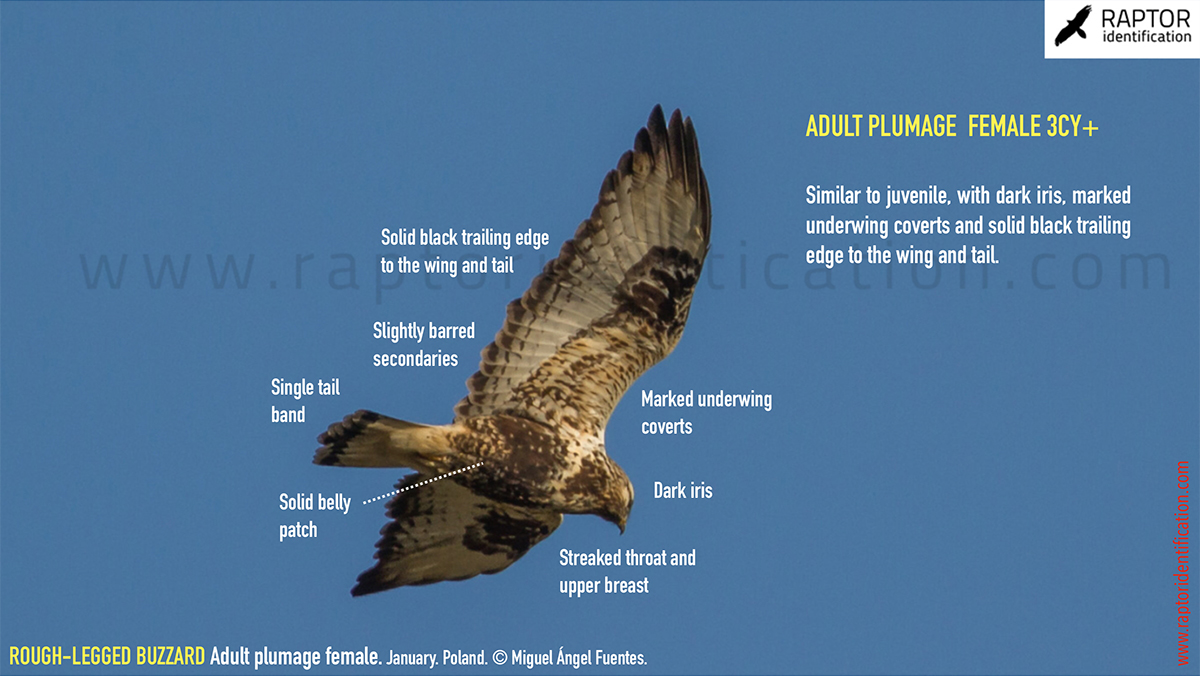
615,300
444,531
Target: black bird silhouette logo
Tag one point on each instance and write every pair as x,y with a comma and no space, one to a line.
1074,26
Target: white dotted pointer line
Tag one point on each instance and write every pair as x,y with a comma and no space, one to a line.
422,483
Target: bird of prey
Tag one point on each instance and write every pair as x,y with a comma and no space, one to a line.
1074,26
527,442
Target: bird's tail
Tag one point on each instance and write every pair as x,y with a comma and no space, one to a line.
368,439
1081,33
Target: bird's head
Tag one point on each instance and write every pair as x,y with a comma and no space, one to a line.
618,504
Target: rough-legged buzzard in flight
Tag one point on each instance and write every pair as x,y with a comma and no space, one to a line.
531,428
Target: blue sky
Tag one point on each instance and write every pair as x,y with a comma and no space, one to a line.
953,478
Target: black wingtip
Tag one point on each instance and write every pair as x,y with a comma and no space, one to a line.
656,127
677,142
369,581
656,117
641,143
676,118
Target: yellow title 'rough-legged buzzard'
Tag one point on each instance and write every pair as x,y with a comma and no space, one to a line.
531,428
